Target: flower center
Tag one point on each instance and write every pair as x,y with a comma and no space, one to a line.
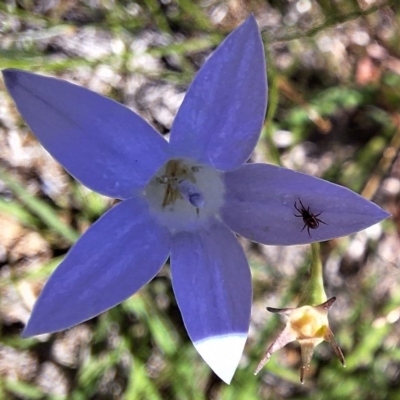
308,322
183,194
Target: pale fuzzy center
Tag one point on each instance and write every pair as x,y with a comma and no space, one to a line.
183,194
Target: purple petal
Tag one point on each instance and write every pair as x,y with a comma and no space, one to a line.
103,144
115,257
220,119
260,202
212,285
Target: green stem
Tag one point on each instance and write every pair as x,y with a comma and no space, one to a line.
329,22
314,293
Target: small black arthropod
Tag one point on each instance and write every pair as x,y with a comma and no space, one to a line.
311,220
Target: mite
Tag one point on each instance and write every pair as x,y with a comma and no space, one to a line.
311,220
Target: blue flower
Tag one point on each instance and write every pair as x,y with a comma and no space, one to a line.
180,199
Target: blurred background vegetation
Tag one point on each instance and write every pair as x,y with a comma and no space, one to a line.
334,112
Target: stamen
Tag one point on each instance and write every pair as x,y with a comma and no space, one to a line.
185,195
191,193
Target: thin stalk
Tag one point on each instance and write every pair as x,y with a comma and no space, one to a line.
314,293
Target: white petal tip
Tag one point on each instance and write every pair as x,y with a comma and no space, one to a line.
222,353
28,333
